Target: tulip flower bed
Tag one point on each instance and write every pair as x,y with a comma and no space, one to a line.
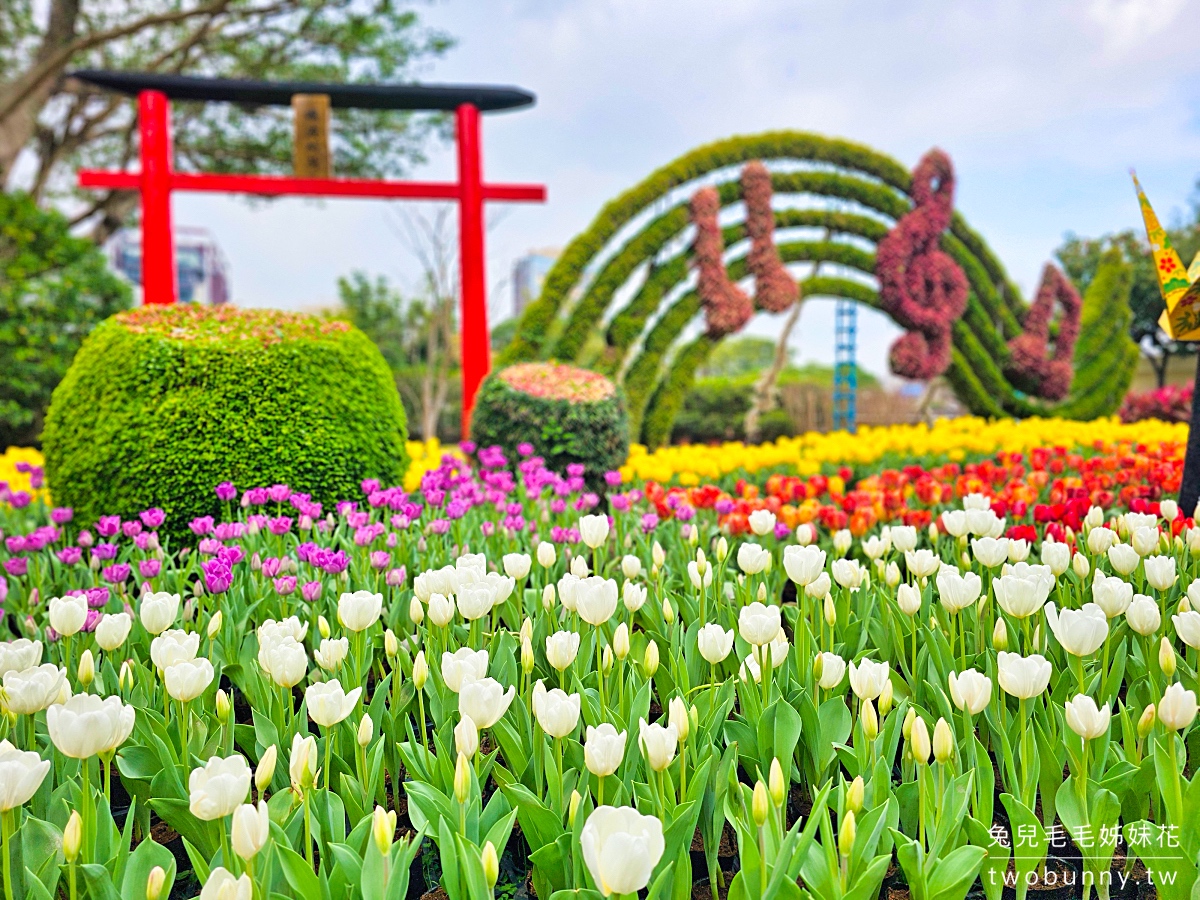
939,678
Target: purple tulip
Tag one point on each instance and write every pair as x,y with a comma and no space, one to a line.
369,485
61,515
149,568
15,543
108,526
280,525
226,491
3,588
228,531
278,493
147,540
271,566
439,526
70,556
231,555
20,499
218,576
286,585
97,597
132,528
488,528
105,551
116,574
649,522
153,517
612,478
311,591
380,559
336,563
255,497
201,525
724,506
85,538
620,502
525,449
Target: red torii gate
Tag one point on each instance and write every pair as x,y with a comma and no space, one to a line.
157,178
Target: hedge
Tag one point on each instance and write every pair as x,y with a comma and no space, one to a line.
163,403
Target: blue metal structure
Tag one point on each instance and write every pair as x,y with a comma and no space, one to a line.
845,367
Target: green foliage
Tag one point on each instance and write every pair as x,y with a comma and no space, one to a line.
739,356
54,288
636,278
562,431
163,403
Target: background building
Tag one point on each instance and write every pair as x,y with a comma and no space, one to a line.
528,273
201,269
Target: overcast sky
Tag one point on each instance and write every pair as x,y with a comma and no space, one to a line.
1044,107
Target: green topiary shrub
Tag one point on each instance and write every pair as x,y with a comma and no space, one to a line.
163,403
568,415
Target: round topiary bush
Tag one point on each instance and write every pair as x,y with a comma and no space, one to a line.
163,403
568,415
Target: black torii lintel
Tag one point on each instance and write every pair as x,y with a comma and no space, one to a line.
446,97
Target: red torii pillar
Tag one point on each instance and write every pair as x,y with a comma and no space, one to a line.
157,179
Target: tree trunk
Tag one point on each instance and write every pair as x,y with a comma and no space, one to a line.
1189,489
763,400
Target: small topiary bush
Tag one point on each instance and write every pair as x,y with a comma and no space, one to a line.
163,403
568,415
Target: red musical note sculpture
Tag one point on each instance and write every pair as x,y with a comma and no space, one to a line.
921,287
727,308
1048,377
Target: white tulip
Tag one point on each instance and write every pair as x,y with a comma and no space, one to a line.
1169,510
752,558
1145,540
251,829
904,538
441,609
303,763
185,681
34,689
360,610
955,522
762,522
833,669
517,565
21,774
849,573
842,541
466,737
981,522
462,665
485,701
475,599
1100,540
970,690
546,554
223,885
444,581
332,653
700,577
631,567
989,551
873,548
1111,594
921,563
868,677
1080,631
658,744
68,614
470,567
566,590
1023,676
158,611
1187,626
1123,558
328,703
285,661
1085,718
216,789
19,655
174,646
715,643
593,530
1177,709
958,591
1143,615
819,588
633,595
758,624
1018,550
291,627
1023,589
621,847
1056,556
604,749
112,629
561,648
1160,572
557,711
596,599
86,725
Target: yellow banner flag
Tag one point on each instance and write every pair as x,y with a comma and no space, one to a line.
1180,287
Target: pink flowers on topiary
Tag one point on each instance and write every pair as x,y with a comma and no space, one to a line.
1048,377
556,381
922,288
727,308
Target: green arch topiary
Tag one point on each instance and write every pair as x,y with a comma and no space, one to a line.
163,403
844,197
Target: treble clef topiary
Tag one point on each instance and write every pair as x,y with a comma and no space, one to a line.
727,308
1029,366
922,288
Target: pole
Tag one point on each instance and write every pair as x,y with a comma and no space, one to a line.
1189,489
476,347
158,246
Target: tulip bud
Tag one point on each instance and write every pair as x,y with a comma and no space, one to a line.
214,624
919,742
222,705
1185,605
86,672
760,807
1080,564
1166,658
870,721
579,567
677,715
657,555
722,549
775,783
1000,636
125,678
830,611
891,574
366,730
420,672
886,698
668,612
933,533
72,837
154,883
855,795
694,717
573,808
266,769
1147,720
848,830
527,659
323,627
693,535
383,829
650,660
620,642
462,779
943,741
909,718
548,598
818,666
606,660
491,863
